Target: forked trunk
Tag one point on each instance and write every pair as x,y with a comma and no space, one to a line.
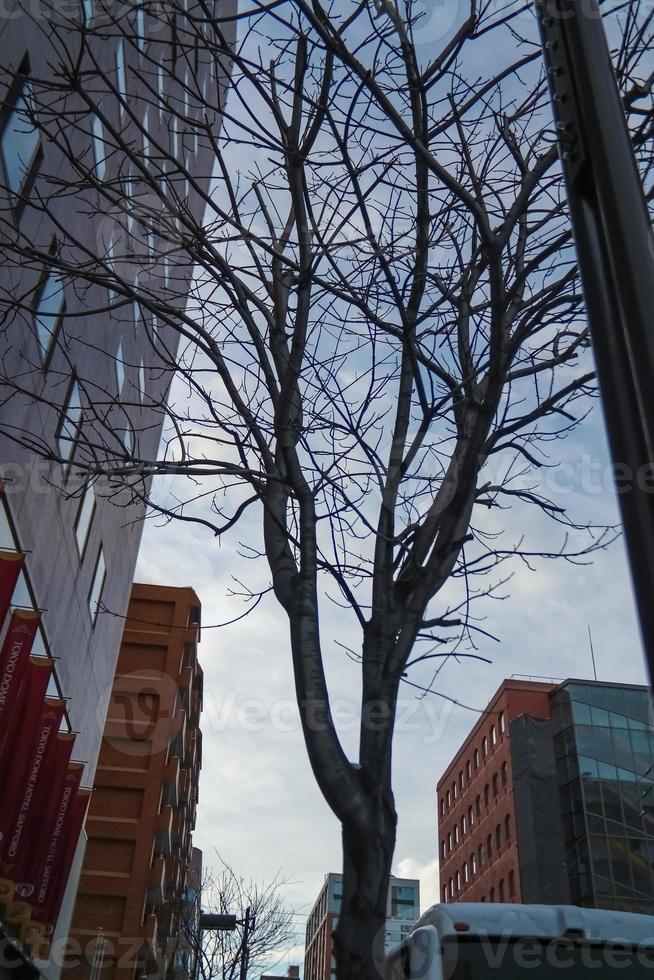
359,935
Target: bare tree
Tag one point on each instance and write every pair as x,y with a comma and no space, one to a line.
383,343
219,954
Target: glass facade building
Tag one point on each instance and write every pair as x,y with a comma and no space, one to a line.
603,738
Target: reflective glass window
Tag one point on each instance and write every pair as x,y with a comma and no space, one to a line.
99,152
580,713
69,423
121,79
599,716
84,517
20,141
97,585
588,767
48,311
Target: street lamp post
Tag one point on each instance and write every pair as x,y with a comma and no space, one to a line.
615,250
221,922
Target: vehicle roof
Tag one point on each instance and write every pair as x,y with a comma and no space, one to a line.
539,921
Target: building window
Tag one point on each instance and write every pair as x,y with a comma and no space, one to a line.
121,77
489,846
160,86
403,901
174,139
87,11
470,820
449,842
456,833
493,736
461,780
443,849
501,889
507,829
463,825
473,863
444,893
69,423
457,881
48,311
442,806
454,790
484,746
128,438
146,138
140,28
465,872
482,855
505,773
97,585
468,770
20,140
495,786
137,309
486,795
476,759
141,380
84,517
451,887
110,260
498,838
500,721
491,897
119,364
511,884
99,157
478,806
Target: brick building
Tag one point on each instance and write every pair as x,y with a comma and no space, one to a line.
140,878
476,812
551,799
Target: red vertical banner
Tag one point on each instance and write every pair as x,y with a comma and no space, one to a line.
22,712
14,657
54,880
27,762
11,563
41,811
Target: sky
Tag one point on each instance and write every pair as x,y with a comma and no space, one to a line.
260,809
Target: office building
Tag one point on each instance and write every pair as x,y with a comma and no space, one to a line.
138,897
551,799
70,346
403,908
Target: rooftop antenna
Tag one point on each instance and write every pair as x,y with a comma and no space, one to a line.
592,652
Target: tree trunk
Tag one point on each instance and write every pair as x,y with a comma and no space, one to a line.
367,856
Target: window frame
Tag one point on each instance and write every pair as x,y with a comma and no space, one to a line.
139,27
121,75
120,374
63,418
99,145
94,580
19,90
47,352
82,546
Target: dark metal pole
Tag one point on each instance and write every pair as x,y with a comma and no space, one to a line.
615,249
245,952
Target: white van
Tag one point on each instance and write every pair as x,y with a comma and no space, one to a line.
476,941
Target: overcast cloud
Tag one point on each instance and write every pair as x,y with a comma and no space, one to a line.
260,808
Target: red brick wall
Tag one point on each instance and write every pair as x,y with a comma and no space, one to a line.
500,869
